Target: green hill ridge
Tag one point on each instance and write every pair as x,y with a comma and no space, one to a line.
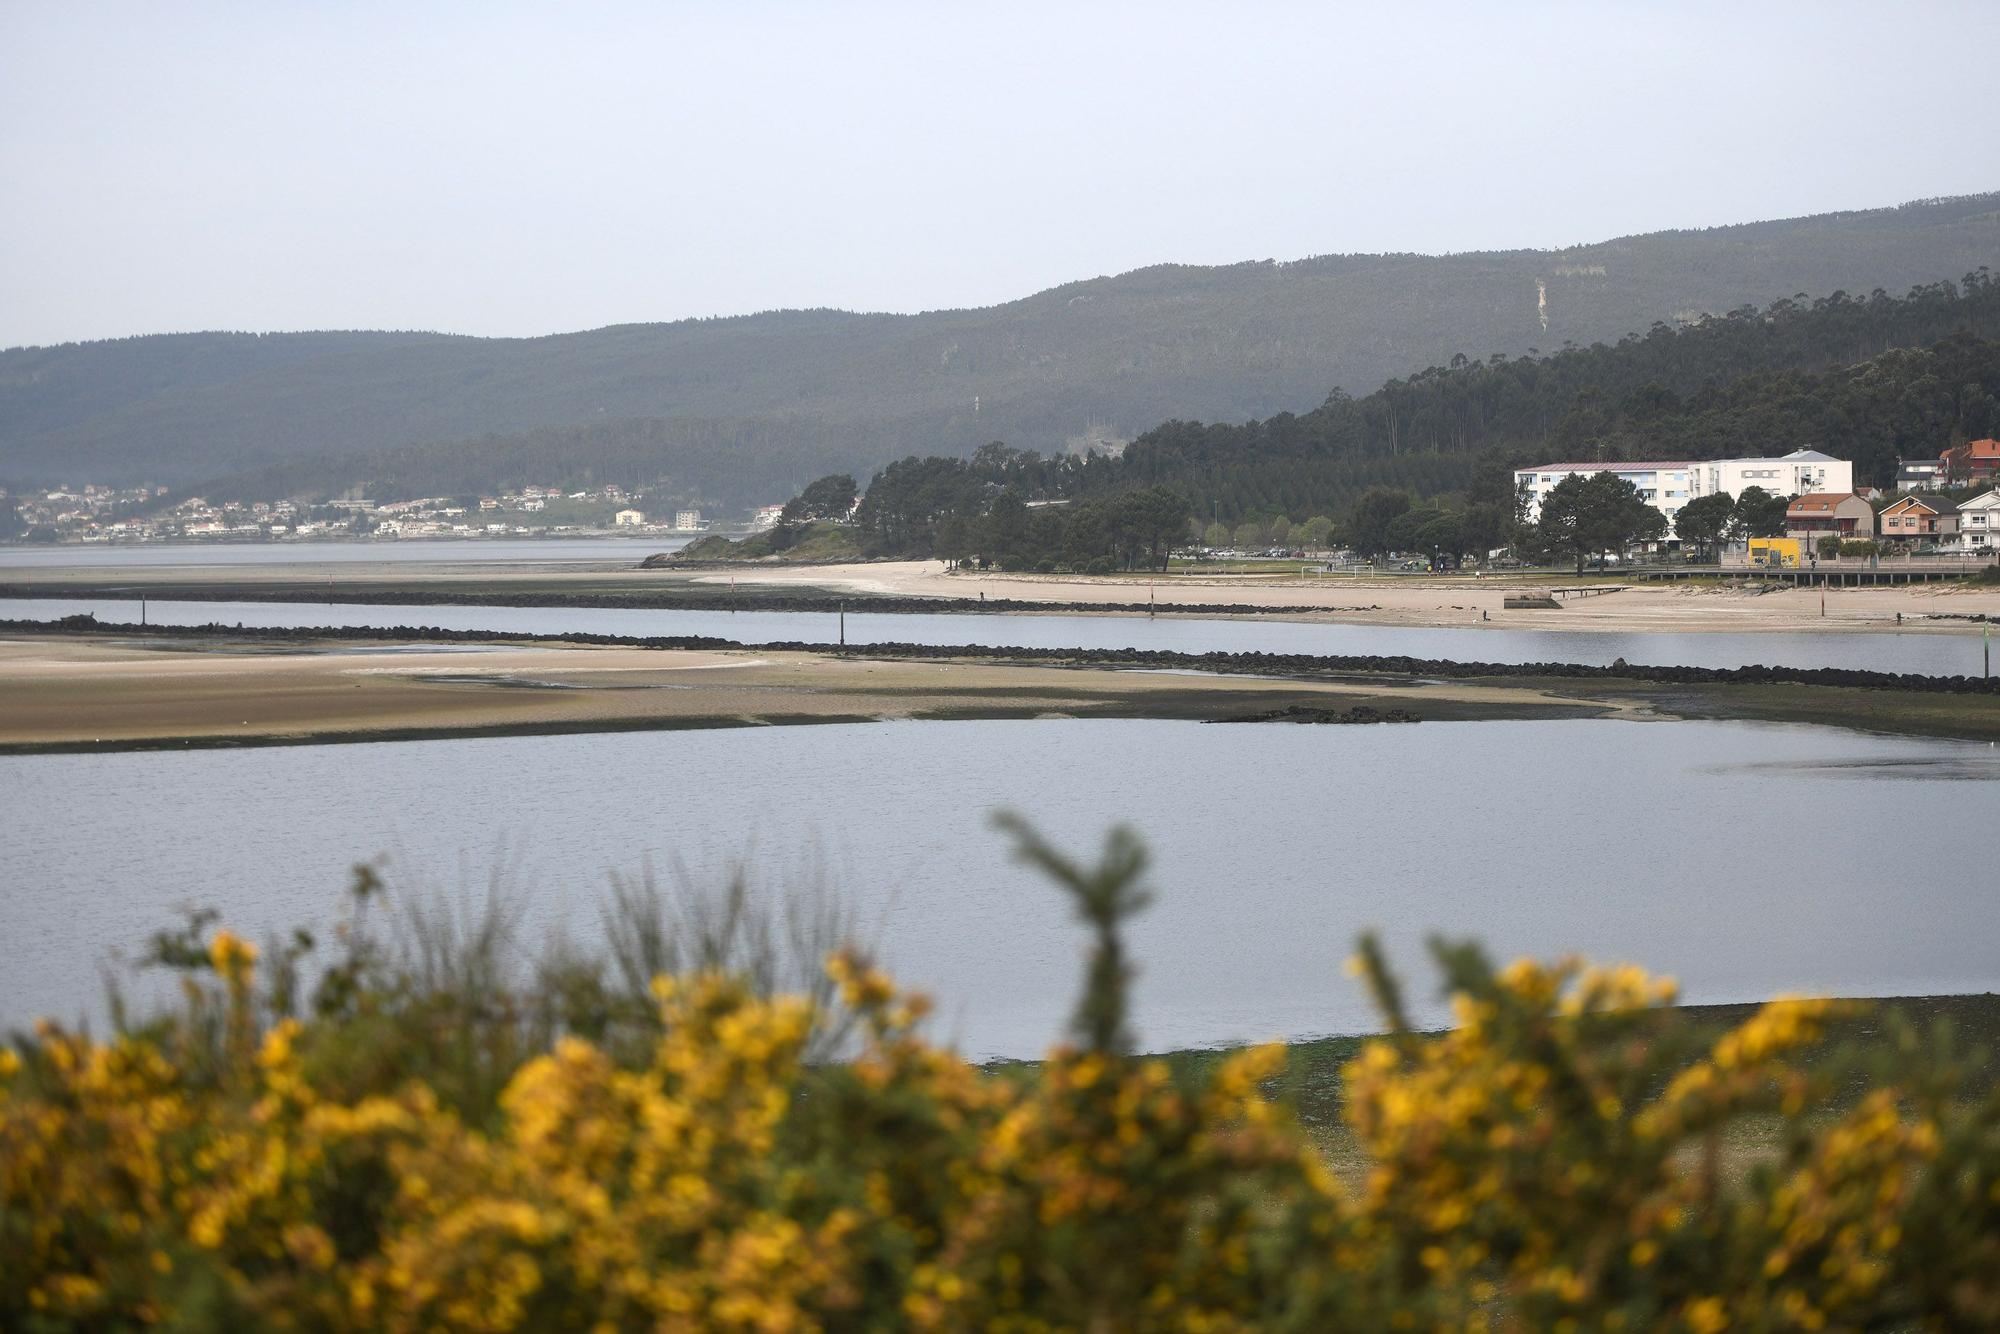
744,409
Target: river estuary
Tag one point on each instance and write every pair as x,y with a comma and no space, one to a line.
1926,654
1745,859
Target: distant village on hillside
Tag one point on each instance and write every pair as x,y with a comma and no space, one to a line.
96,514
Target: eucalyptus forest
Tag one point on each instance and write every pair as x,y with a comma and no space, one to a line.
1425,463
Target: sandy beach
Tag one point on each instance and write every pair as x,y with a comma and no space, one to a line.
1425,601
59,692
1391,600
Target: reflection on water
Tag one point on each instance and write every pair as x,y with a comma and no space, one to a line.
1909,651
1980,766
1706,850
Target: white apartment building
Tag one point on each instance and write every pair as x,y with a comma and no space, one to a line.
687,521
1667,486
1979,522
628,519
1801,472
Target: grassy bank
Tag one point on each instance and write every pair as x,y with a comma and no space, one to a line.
1875,1032
815,543
1963,717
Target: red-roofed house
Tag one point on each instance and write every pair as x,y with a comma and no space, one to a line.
1826,512
1978,461
1920,519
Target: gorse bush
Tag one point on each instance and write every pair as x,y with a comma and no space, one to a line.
249,1160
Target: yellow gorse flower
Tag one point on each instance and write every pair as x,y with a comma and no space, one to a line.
232,956
1545,1164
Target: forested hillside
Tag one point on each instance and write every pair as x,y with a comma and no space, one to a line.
1425,463
1864,379
747,408
714,463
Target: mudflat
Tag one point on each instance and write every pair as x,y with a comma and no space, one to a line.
118,692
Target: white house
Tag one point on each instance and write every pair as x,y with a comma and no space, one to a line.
1920,474
1667,486
766,516
1979,522
628,518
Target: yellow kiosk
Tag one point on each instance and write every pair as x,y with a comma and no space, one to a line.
1781,553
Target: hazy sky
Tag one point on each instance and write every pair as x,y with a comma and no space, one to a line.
502,168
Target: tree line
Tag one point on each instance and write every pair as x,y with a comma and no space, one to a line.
967,511
1869,379
994,509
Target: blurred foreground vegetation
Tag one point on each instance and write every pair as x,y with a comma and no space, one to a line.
681,1134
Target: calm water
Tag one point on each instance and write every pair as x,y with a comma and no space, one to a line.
1745,859
1888,651
538,551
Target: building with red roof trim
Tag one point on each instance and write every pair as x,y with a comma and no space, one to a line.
1975,461
1827,512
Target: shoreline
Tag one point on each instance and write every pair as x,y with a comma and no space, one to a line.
700,600
1983,1005
103,688
1214,661
134,690
924,587
1313,1085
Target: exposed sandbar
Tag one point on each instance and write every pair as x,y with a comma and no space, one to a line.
72,693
